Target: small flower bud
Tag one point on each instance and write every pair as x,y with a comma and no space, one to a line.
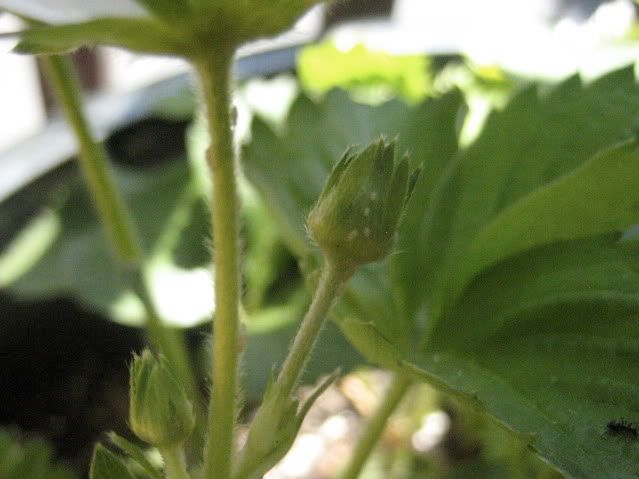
159,411
355,219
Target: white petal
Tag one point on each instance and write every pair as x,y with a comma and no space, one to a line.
73,11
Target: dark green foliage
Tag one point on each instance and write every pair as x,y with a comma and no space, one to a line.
510,288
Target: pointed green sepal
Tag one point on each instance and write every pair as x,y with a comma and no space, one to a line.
136,454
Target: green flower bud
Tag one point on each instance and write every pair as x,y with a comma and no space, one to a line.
355,219
159,411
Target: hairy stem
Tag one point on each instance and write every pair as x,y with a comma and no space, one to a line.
375,426
329,288
214,73
174,463
268,419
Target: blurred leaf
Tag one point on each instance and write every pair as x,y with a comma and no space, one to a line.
28,459
266,258
323,67
136,34
180,105
106,465
77,260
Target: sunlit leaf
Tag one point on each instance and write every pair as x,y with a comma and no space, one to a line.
534,140
324,66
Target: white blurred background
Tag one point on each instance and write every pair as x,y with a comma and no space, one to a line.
537,38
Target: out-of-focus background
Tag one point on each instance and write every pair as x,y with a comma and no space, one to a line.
64,349
536,38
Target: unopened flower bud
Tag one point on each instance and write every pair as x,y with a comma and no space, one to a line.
355,219
159,411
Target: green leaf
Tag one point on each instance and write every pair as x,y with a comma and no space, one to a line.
587,272
533,141
106,465
600,196
136,34
324,66
546,342
540,320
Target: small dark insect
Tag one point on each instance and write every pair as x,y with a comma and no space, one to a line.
623,428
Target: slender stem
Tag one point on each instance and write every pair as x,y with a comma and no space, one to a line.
269,417
214,73
174,463
329,288
94,163
114,215
375,426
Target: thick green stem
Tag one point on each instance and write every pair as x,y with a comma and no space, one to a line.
115,218
94,164
375,426
174,463
214,73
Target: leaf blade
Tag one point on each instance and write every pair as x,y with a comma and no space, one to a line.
136,34
599,197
